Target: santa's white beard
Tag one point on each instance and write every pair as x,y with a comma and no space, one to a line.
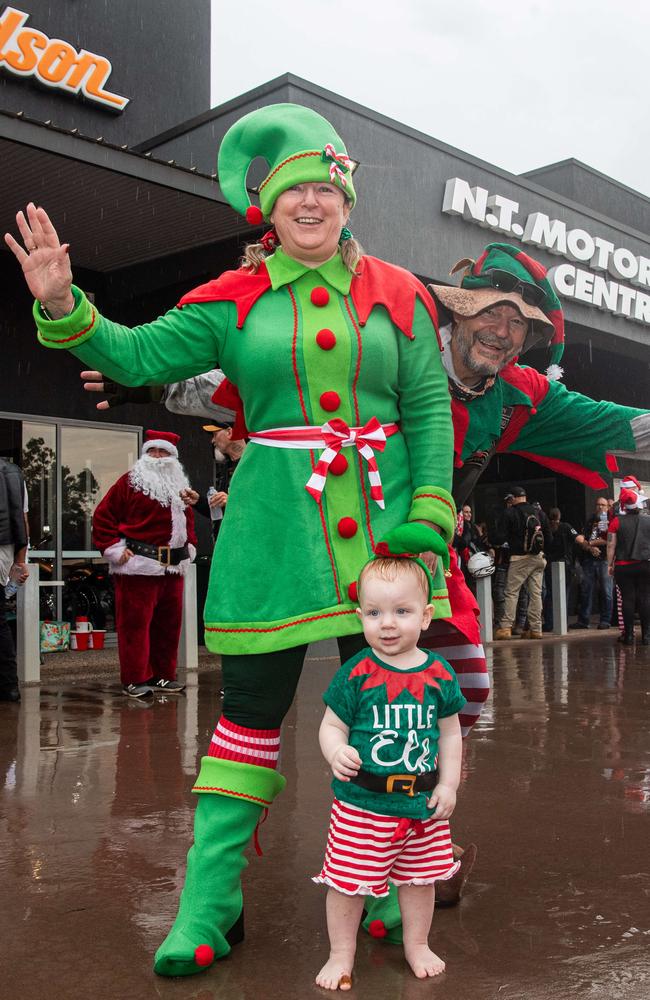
219,456
162,479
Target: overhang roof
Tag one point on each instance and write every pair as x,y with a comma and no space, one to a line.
115,207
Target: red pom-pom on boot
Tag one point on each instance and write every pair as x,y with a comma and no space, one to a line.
204,955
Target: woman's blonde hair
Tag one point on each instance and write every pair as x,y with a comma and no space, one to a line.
255,253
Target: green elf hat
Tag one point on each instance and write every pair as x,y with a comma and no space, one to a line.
408,540
504,273
299,146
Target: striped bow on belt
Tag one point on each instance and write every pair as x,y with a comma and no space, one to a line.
333,436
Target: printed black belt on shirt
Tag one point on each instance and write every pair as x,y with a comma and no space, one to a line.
406,784
163,554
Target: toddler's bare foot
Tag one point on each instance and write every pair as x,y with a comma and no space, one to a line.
336,974
423,961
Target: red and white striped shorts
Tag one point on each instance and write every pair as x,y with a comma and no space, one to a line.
366,849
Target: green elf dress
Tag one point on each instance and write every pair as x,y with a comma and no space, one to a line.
306,348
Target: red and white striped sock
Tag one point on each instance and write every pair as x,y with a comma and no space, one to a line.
250,746
469,665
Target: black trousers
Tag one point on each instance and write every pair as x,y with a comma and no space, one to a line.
633,581
8,671
258,689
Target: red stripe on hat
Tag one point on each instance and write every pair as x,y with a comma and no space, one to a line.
534,268
612,464
556,317
478,266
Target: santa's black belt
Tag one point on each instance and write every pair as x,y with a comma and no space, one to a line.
163,554
407,784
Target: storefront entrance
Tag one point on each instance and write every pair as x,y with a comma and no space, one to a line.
68,467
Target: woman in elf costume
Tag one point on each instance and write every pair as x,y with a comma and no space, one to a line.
337,363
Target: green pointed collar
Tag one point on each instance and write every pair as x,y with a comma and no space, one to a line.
284,269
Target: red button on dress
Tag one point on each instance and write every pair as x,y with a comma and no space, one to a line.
320,296
339,465
326,339
352,591
348,527
330,401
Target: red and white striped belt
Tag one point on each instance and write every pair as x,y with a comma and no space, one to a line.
331,437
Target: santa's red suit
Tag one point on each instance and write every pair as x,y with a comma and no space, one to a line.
144,513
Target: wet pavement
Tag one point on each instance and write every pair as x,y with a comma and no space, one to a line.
96,817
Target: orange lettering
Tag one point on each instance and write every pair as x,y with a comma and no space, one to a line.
28,52
10,21
90,74
56,61
25,60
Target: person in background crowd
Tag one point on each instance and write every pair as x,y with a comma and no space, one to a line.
628,561
502,562
560,549
592,546
467,540
145,530
13,567
525,528
227,453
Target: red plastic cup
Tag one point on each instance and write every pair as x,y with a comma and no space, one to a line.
97,637
81,640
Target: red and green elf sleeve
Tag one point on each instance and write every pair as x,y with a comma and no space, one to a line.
572,434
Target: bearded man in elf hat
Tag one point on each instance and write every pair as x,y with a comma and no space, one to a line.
145,530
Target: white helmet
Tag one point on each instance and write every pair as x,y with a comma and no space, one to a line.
480,564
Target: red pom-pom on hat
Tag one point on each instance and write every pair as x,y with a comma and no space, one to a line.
204,955
254,215
377,929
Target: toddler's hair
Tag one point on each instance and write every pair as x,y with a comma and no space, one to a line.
387,568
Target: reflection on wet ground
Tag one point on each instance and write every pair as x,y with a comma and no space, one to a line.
96,817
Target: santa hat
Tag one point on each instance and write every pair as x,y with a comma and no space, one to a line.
299,146
166,440
632,484
630,499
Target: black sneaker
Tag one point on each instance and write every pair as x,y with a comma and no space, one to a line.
165,687
578,625
136,690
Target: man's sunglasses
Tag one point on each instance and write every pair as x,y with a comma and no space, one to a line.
504,281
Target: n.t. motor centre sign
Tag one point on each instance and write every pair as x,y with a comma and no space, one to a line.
610,271
27,52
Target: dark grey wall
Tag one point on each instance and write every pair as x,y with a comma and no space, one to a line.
160,53
587,186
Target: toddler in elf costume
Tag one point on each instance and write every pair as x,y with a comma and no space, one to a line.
392,738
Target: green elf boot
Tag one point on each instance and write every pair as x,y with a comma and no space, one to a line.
382,918
232,798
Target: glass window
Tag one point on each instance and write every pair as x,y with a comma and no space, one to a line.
38,463
92,459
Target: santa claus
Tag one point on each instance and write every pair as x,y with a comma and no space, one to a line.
145,530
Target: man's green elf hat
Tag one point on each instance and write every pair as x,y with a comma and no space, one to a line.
407,541
299,146
504,273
